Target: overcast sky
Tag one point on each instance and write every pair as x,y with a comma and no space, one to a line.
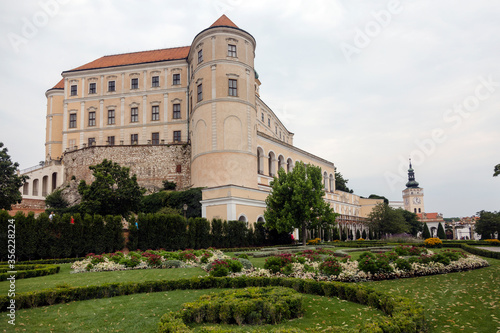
365,84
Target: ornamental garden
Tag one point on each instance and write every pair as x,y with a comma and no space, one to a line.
358,286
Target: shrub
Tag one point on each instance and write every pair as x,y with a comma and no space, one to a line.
275,263
235,266
403,264
441,258
218,268
330,267
433,242
254,305
243,256
132,262
172,323
247,264
173,264
314,241
494,242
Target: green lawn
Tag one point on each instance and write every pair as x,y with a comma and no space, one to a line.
142,312
457,302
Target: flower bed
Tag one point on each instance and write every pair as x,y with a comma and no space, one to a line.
370,266
148,259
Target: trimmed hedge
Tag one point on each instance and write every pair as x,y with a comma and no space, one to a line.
28,271
404,315
253,306
480,252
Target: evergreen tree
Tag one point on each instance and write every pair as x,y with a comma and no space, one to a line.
10,182
440,232
426,234
364,234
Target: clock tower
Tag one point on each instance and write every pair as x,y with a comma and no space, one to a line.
413,196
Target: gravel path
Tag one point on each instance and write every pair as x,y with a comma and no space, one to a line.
490,248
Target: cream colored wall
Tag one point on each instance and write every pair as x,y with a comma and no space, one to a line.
223,126
367,205
54,124
122,100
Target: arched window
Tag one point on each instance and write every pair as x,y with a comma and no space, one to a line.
289,165
281,162
45,185
332,182
26,188
261,219
54,181
325,181
242,218
260,160
35,188
272,167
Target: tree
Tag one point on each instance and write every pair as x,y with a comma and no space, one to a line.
496,170
296,200
375,196
414,223
112,192
488,224
440,233
387,220
426,233
56,200
341,183
10,182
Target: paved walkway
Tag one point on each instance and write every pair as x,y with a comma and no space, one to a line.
490,248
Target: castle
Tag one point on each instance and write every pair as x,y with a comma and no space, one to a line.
192,115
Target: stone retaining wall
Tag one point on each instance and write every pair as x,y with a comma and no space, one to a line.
151,164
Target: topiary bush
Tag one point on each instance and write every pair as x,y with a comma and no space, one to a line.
252,306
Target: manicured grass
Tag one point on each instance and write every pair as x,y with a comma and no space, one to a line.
142,312
456,302
98,278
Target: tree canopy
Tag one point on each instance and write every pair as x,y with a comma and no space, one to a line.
376,196
296,200
488,224
496,170
341,183
10,182
113,191
415,226
387,220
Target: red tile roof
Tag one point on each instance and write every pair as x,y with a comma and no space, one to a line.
59,85
224,21
136,58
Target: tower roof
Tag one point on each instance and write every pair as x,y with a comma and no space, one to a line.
411,178
224,21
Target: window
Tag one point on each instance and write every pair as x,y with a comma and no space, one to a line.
91,142
155,112
176,79
72,120
134,115
177,111
92,88
177,136
200,56
231,50
111,85
269,122
134,139
111,117
233,87
111,140
72,143
155,81
155,138
276,129
134,83
74,90
262,117
178,168
199,93
92,118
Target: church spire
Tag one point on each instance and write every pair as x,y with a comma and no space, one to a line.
411,178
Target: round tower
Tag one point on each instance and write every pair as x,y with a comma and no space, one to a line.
222,106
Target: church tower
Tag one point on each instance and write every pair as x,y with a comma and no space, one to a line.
222,106
413,196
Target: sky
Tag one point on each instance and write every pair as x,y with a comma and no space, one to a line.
364,84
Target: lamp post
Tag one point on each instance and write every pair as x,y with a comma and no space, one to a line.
185,208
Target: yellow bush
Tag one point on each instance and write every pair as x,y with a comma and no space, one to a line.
433,242
495,242
313,241
360,239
